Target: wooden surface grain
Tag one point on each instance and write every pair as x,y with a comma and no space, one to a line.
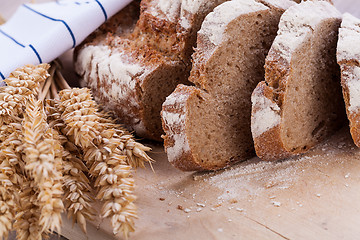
313,196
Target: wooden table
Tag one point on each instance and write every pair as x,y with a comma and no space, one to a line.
314,196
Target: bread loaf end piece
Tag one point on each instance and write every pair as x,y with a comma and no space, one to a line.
348,57
302,82
227,64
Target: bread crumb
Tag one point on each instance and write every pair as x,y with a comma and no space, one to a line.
200,205
232,201
180,207
162,199
239,209
318,195
220,230
276,204
187,210
199,209
347,175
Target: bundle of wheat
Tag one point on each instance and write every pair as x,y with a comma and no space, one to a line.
50,153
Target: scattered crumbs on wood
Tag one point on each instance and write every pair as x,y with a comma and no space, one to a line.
162,199
180,207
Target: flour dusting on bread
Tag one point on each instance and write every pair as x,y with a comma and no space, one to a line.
267,115
353,83
215,23
297,23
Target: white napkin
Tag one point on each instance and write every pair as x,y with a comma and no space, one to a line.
39,33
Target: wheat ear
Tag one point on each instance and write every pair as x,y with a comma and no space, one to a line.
27,219
77,187
43,164
21,84
107,164
11,177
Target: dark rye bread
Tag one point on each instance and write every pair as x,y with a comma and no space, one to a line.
131,74
348,57
299,104
207,126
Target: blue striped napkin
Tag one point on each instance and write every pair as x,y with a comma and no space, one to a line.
39,33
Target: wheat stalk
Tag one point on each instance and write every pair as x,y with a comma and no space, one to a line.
43,162
38,159
106,162
77,189
21,84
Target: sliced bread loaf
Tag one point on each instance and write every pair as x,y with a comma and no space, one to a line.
131,74
300,102
207,126
348,56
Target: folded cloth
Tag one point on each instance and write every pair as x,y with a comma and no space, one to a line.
39,33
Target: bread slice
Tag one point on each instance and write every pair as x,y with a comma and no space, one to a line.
207,126
299,103
132,74
348,57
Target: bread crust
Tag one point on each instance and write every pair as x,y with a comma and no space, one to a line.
180,153
348,58
269,145
353,116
